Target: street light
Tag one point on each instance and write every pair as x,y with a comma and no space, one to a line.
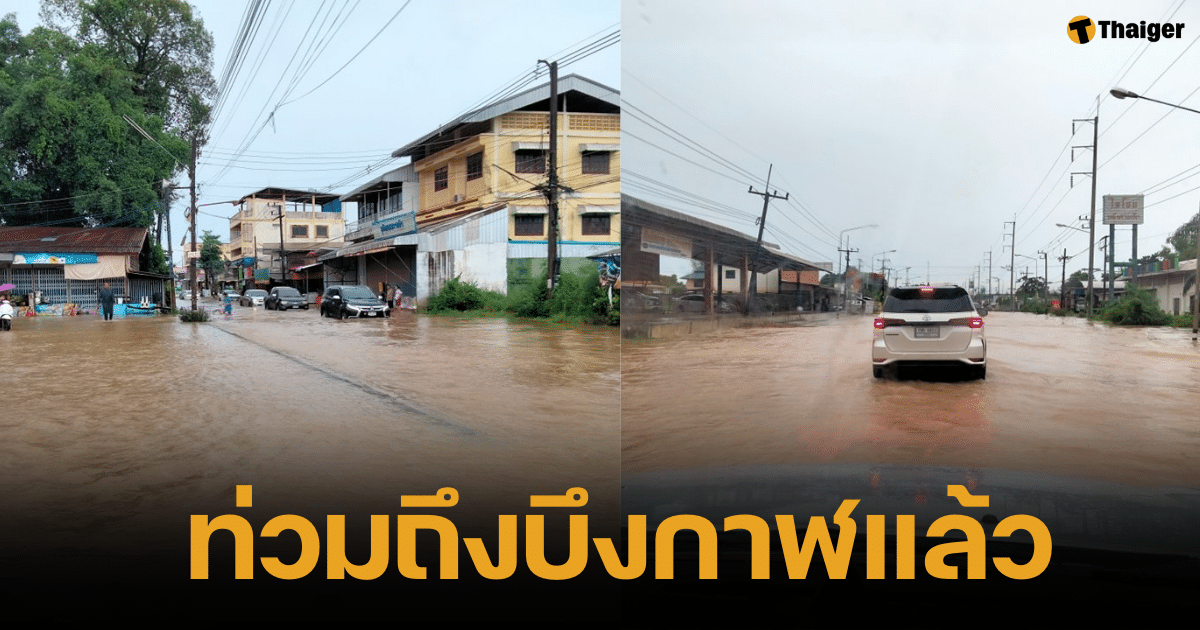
846,285
1120,93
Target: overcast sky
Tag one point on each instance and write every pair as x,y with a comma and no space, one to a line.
436,60
936,121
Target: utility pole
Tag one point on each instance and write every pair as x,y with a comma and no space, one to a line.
282,251
192,220
552,187
845,274
1012,264
1046,266
1062,300
989,273
767,196
1092,221
166,210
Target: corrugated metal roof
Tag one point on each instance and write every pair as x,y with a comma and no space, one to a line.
72,240
270,193
570,82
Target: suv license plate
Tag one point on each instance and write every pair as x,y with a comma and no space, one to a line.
926,332
372,314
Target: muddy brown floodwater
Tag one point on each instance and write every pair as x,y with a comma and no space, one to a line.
1061,397
120,429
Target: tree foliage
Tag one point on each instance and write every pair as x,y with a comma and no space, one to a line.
211,260
1137,307
67,154
1183,239
1031,287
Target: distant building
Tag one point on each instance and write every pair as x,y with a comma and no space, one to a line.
278,226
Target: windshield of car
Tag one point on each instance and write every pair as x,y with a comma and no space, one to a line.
358,292
947,300
287,292
256,293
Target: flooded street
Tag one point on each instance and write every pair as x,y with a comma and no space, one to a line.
118,431
1061,397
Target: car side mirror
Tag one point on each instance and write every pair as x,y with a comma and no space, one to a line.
983,311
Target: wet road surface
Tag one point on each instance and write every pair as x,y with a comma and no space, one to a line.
122,429
1061,397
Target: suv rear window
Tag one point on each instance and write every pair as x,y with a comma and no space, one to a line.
951,300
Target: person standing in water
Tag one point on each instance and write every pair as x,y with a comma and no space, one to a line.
107,297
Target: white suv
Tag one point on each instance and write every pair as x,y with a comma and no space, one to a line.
927,325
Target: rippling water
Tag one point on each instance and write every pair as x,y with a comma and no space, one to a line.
1061,396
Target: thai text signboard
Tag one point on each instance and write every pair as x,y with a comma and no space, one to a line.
1123,209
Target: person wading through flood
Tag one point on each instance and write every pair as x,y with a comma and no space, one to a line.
107,297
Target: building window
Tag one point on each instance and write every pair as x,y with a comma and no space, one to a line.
529,224
730,274
595,224
441,178
531,161
475,166
322,231
595,162
299,231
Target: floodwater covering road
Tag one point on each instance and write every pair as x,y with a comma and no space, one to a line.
1062,396
119,430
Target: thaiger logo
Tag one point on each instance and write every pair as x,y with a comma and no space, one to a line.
1081,29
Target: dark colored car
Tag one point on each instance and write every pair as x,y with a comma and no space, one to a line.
283,298
352,300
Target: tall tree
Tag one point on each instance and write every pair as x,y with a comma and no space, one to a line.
68,156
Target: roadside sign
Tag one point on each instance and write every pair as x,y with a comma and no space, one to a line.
1124,209
192,255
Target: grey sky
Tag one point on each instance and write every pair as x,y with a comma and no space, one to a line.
435,61
936,120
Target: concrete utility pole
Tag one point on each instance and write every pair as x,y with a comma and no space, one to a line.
1062,300
989,273
192,219
767,196
845,280
552,186
1046,266
1092,221
1012,264
282,251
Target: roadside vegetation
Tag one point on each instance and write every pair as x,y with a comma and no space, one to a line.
578,298
200,315
1137,307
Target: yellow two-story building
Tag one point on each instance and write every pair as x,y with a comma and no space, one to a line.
482,181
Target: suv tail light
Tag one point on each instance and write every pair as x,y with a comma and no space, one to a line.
973,322
882,323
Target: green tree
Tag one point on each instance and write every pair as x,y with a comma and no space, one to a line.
210,258
1183,239
1031,288
67,154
